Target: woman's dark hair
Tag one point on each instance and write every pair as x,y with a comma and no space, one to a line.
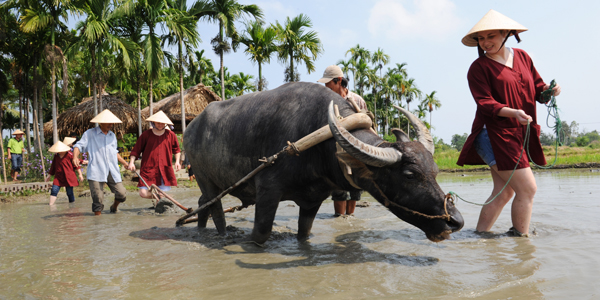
344,82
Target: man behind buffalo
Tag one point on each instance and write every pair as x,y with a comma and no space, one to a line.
333,78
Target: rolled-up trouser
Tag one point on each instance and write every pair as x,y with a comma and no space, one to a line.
340,195
97,190
17,161
55,189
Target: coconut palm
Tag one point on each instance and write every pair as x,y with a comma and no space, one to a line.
48,16
260,45
297,45
431,101
226,12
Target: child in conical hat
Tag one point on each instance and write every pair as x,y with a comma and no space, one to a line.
63,170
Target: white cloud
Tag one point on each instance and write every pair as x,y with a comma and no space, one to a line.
275,11
429,19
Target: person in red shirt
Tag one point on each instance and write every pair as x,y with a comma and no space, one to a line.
158,146
64,172
505,86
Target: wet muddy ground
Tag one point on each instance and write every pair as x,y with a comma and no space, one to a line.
67,253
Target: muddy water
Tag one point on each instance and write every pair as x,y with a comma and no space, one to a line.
66,253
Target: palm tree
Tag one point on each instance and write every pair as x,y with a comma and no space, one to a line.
410,92
430,102
298,46
182,31
152,13
242,83
356,55
95,35
48,16
346,66
226,12
260,45
199,66
380,59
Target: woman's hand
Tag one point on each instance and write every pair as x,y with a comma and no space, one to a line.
556,89
522,117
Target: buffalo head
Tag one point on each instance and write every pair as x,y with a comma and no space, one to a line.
401,176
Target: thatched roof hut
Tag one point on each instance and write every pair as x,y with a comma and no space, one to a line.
196,100
76,120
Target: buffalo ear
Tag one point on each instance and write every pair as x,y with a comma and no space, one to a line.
400,135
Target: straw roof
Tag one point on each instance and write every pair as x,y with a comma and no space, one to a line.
196,100
76,120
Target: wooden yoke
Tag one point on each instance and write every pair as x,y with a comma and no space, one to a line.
354,121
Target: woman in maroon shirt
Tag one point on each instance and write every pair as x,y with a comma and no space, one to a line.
64,172
505,86
158,146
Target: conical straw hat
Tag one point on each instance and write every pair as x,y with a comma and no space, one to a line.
59,147
18,132
493,20
68,140
105,117
159,117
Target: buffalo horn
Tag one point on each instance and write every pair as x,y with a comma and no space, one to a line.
368,154
422,132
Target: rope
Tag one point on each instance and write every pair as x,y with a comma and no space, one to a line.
547,97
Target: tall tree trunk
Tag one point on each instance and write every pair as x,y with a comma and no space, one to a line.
54,108
221,60
100,91
292,67
408,123
181,86
139,103
95,97
21,107
2,141
260,81
41,117
40,148
151,94
36,128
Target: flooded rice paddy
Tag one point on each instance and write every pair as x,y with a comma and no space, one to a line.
67,253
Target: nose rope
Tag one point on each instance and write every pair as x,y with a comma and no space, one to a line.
445,216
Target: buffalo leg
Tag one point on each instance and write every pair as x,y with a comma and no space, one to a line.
305,221
203,214
264,215
218,217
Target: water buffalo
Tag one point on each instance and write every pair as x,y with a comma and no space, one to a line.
225,142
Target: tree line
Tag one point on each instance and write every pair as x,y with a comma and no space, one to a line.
123,47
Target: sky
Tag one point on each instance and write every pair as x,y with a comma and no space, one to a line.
563,41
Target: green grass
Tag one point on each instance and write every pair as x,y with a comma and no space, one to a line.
446,160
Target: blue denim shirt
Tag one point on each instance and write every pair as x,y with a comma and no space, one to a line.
102,149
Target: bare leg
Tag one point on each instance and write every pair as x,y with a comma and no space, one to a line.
524,186
490,212
144,193
52,200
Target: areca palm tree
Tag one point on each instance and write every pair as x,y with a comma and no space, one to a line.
410,93
431,102
48,16
380,59
297,45
357,54
199,66
260,46
346,66
226,12
96,34
152,13
182,31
